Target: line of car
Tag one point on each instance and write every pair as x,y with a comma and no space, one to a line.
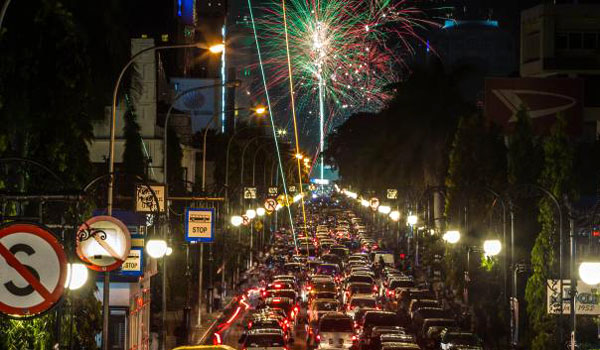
347,293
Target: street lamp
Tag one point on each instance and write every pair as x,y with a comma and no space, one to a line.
156,248
395,215
384,209
217,48
492,247
236,220
260,110
589,272
77,275
261,211
251,213
412,220
169,251
364,202
299,156
451,237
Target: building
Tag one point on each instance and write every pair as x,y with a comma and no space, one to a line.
559,65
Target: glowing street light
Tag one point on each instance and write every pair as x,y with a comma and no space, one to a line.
412,220
251,213
395,215
384,209
236,220
451,237
169,251
218,48
299,156
260,211
589,272
77,275
156,248
492,247
260,110
364,202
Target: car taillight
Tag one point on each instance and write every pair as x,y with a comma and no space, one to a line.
355,324
318,337
390,293
375,289
354,338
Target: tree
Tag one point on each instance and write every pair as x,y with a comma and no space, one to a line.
556,177
134,160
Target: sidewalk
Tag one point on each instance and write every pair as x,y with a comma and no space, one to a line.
197,332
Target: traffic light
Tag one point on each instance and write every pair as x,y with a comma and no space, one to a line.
402,256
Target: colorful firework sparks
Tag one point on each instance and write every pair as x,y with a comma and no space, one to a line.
349,49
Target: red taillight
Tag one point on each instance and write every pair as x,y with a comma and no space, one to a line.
355,324
318,337
249,325
308,288
354,338
375,289
277,285
276,300
390,293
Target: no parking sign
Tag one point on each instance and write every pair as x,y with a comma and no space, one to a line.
33,270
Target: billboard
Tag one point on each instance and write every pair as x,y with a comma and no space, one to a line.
587,299
199,97
543,98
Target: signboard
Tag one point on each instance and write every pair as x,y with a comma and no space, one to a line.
587,300
392,193
33,270
145,202
270,205
249,192
103,242
273,191
199,225
543,98
134,264
374,203
245,220
292,189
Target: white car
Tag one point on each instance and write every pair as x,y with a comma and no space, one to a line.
359,301
335,331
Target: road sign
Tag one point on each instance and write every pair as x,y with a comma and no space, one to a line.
145,202
258,225
270,205
392,193
374,203
199,225
273,191
292,189
103,242
33,270
134,264
249,192
245,220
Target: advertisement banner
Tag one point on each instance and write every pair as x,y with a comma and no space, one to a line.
587,300
543,98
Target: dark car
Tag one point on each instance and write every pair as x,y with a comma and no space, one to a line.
373,319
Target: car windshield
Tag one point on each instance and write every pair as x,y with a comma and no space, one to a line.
360,288
380,319
265,324
336,325
327,269
365,279
324,286
326,305
363,302
264,340
401,284
463,339
432,313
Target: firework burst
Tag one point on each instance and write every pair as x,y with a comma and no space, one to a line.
351,49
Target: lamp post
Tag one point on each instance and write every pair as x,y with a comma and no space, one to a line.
111,167
412,220
258,149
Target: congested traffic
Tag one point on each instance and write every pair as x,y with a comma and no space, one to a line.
333,287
